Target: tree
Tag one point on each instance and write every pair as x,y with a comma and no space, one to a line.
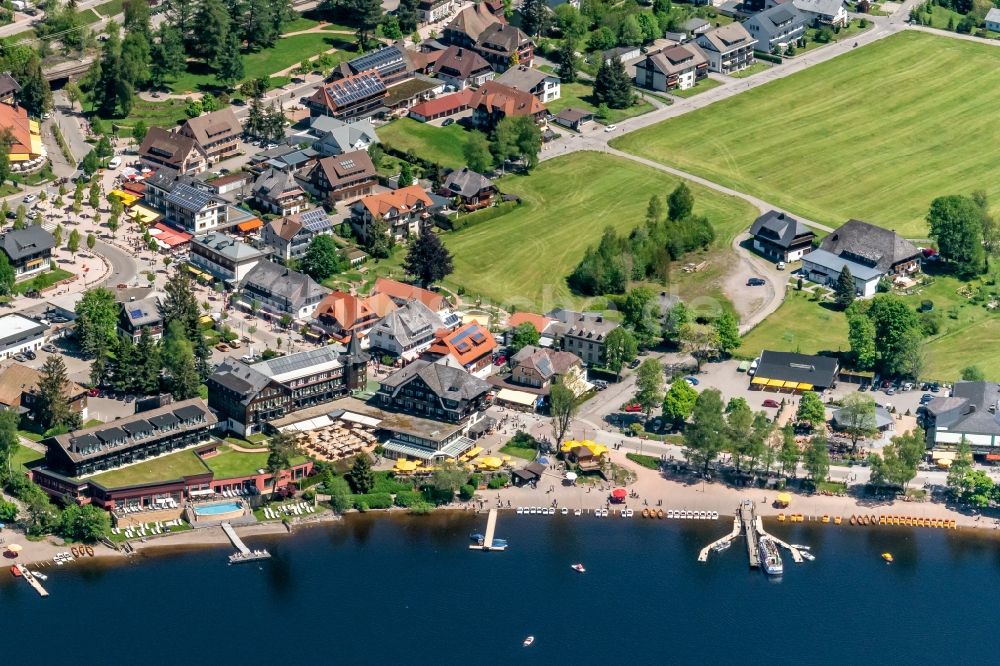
523,335
8,277
209,31
535,17
135,59
816,459
52,407
97,320
844,292
679,403
562,409
113,226
84,523
365,15
699,340
168,58
956,224
406,14
675,319
73,243
9,440
897,334
571,23
8,511
620,347
139,131
91,241
811,409
477,152
149,364
612,85
361,478
705,436
861,337
180,304
640,312
972,373
739,431
112,92
728,331
630,32
322,258
229,61
448,478
680,203
405,175
378,241
91,163
569,61
517,138
789,454
856,417
649,382
651,29
178,357
73,94
427,260
898,463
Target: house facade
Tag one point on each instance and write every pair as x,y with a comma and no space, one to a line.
247,397
135,317
729,48
464,30
432,11
357,96
216,134
582,334
405,211
280,291
346,176
224,257
469,347
780,237
546,87
342,316
541,367
19,391
434,391
406,332
471,190
777,27
462,68
676,67
289,237
970,414
504,46
162,148
824,12
28,250
992,21
493,102
278,192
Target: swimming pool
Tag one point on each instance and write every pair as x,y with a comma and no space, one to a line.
217,509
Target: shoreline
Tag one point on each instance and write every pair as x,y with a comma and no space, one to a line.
651,486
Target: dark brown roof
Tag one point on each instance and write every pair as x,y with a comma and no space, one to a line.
213,127
868,244
166,147
346,165
460,63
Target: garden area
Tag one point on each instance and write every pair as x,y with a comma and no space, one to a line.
888,95
443,145
700,87
42,281
166,468
580,96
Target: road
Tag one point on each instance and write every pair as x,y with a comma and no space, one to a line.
123,266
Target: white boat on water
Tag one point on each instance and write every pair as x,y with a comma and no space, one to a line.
578,567
520,509
528,641
721,546
806,554
770,558
564,511
39,575
798,546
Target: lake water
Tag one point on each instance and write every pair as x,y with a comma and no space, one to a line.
378,590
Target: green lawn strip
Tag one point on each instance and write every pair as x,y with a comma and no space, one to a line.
941,15
298,24
33,436
700,87
522,452
891,128
649,462
799,325
229,463
167,114
166,468
42,281
853,30
580,96
755,68
23,455
444,145
285,53
524,257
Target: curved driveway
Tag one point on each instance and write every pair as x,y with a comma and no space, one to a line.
123,266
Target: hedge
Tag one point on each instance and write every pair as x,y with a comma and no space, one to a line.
386,483
371,501
467,492
769,57
408,498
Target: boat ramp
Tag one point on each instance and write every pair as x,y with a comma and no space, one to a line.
751,525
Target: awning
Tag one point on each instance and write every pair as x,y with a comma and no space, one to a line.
943,455
143,214
776,382
250,225
993,456
517,397
127,198
201,493
784,498
758,380
360,418
805,387
944,463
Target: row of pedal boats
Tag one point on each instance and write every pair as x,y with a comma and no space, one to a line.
682,514
908,521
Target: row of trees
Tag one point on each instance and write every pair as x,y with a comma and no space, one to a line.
516,139
885,334
648,252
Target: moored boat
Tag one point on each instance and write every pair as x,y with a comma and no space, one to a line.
770,558
854,520
837,520
90,551
807,555
528,641
578,567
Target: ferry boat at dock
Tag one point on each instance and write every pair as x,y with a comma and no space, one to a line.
770,558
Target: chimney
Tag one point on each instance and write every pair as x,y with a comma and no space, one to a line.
459,53
781,216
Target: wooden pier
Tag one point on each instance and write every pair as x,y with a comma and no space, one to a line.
751,525
491,528
244,554
796,555
32,581
748,518
703,555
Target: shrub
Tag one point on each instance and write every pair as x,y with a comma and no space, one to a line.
421,508
649,462
437,496
408,499
498,481
372,501
386,483
466,492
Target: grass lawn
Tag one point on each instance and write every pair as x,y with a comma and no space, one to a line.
798,325
941,15
444,145
892,129
649,462
851,31
522,452
286,52
42,281
524,257
755,68
700,87
23,455
229,463
167,468
298,24
159,114
579,96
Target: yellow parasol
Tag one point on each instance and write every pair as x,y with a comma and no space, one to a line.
784,499
15,548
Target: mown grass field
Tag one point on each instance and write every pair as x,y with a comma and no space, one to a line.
524,257
580,96
875,134
969,333
444,145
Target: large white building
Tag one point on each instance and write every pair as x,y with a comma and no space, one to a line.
19,334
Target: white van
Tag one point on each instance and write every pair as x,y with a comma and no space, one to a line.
115,163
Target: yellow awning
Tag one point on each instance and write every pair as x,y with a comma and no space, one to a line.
758,380
943,455
775,382
805,387
944,463
143,214
127,198
490,462
405,466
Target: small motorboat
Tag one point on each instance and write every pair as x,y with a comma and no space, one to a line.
564,511
499,543
645,513
837,520
577,512
826,518
714,515
528,641
806,554
578,568
659,513
16,571
75,554
721,546
520,509
798,546
670,513
887,557
39,575
476,536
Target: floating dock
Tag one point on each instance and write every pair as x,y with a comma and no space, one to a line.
747,521
244,554
491,528
32,581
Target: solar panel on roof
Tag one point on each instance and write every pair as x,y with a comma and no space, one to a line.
316,220
478,337
136,313
347,164
462,346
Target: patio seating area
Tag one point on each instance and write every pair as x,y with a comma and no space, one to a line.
337,441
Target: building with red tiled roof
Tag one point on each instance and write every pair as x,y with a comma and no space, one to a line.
342,316
540,322
442,107
26,134
493,102
405,211
469,347
401,293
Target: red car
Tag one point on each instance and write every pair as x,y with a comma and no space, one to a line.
634,407
500,361
771,403
92,393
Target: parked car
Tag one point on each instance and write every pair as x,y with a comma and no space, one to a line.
50,348
500,360
634,364
908,386
770,402
600,384
30,199
448,121
633,407
115,163
693,381
222,347
93,393
30,355
756,282
890,391
781,266
611,128
935,387
235,344
20,358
